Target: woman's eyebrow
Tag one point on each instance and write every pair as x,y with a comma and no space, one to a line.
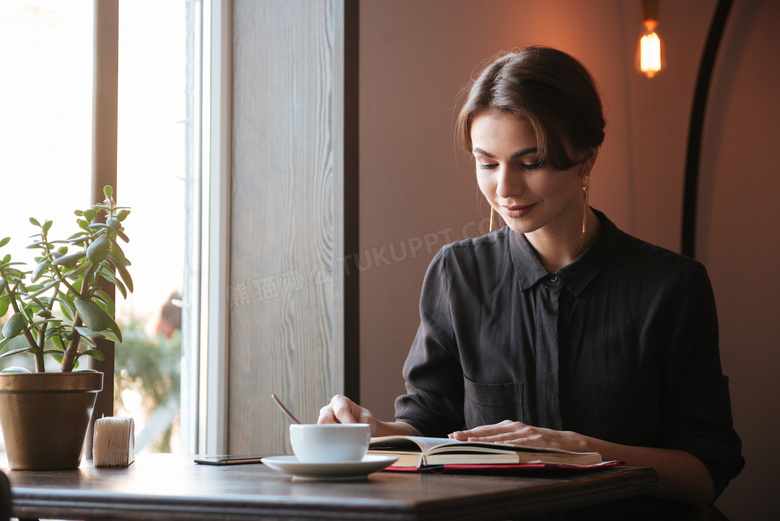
519,153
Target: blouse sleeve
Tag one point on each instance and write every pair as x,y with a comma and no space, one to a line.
433,402
697,403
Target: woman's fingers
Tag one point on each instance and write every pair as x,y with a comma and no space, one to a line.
339,410
495,432
518,433
343,410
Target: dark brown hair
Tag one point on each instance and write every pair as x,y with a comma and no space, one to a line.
551,90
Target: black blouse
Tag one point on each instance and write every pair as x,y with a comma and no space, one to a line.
621,345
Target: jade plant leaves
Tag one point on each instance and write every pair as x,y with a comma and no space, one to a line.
14,369
39,269
95,318
125,277
68,260
14,326
94,353
98,251
58,302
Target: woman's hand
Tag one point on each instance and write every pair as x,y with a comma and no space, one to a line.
518,433
343,410
683,476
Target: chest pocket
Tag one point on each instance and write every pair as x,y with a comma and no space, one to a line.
491,403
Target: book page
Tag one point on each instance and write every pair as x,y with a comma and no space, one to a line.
420,451
408,443
489,447
438,445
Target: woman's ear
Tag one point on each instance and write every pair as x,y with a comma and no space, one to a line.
588,161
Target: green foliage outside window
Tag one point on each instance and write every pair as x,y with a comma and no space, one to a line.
150,365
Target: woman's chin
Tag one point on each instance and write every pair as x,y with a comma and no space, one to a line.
520,225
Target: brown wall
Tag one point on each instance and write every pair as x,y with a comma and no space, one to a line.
738,241
417,191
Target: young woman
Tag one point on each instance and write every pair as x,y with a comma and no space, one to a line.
559,329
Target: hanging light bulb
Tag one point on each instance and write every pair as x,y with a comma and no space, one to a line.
650,56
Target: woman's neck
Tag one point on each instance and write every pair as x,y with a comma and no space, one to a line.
557,250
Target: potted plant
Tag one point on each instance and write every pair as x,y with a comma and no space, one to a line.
59,308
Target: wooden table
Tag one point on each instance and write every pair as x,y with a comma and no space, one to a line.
172,487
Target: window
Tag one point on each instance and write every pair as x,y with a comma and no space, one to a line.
45,114
46,54
152,170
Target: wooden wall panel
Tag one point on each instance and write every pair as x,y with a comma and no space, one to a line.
286,302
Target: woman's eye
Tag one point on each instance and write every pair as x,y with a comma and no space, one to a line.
531,166
519,164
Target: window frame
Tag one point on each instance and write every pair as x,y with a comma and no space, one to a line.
215,227
104,164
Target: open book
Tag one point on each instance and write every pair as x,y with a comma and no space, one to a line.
420,452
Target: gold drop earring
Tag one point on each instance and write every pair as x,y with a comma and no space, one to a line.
491,218
584,219
584,210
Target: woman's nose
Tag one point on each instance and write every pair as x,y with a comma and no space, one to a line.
509,184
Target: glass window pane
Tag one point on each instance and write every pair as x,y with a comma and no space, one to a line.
45,123
45,115
150,179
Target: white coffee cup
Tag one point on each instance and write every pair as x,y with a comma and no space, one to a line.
330,443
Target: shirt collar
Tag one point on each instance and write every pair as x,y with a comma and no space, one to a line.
575,276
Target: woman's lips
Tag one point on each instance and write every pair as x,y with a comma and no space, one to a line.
517,211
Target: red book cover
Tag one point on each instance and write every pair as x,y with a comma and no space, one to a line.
502,468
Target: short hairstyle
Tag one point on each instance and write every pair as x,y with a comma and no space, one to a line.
553,91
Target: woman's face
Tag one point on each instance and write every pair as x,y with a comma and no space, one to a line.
531,197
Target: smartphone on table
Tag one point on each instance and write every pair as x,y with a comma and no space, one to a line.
227,460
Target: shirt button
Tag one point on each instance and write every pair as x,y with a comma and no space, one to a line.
554,278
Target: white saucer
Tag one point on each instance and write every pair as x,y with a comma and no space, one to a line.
347,471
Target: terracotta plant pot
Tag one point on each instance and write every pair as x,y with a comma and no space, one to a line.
44,417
